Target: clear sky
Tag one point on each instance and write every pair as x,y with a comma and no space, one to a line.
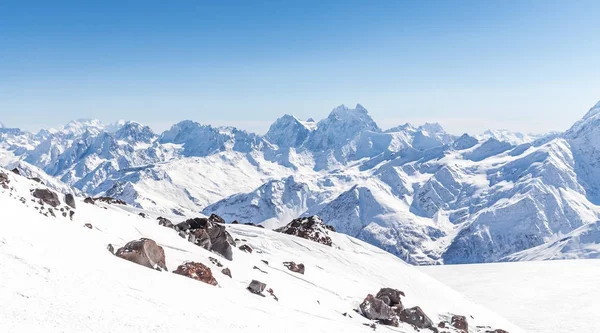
526,65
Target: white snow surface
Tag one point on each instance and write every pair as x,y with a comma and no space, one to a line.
540,296
57,276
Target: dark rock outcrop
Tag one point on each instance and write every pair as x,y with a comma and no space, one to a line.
416,317
375,309
70,200
165,222
216,219
110,248
89,200
390,296
143,215
16,171
292,266
226,271
46,196
257,287
246,248
196,271
208,234
108,200
88,225
460,323
215,261
145,252
311,228
4,180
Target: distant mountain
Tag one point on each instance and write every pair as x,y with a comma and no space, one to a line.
418,192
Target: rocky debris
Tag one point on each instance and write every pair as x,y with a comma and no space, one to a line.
256,287
201,238
442,324
260,270
143,215
70,200
16,171
165,222
245,248
372,325
345,314
390,322
292,266
497,331
196,271
46,196
71,214
4,180
265,262
110,248
88,225
235,222
216,219
144,252
416,317
226,271
108,200
374,308
460,323
215,261
311,228
272,293
391,297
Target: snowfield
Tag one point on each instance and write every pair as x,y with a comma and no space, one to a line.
58,276
540,296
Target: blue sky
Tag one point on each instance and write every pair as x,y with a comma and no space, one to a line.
530,66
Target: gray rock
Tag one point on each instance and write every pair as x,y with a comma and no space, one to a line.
47,196
256,287
144,252
70,200
390,296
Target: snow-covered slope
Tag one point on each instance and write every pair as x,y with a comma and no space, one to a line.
542,297
58,276
513,138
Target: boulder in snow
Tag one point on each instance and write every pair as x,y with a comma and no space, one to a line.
226,271
256,287
390,296
292,266
47,196
70,200
165,222
196,271
246,248
460,323
144,252
416,317
375,309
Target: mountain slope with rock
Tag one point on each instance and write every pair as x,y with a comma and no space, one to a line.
59,270
418,192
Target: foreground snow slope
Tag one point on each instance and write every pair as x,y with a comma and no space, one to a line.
542,297
58,275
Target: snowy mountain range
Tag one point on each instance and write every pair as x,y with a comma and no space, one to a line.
418,192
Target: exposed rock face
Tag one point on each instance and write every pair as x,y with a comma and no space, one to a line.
47,196
292,266
89,200
110,248
196,271
460,323
375,309
415,316
311,228
201,238
16,171
4,180
226,271
216,219
165,222
207,233
70,200
144,252
257,287
143,215
108,200
390,296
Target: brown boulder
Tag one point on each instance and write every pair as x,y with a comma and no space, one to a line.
196,271
46,196
88,225
144,252
460,323
292,266
390,296
375,309
311,228
415,316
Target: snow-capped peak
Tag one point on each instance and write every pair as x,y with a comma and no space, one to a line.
595,110
2,125
80,126
135,132
288,131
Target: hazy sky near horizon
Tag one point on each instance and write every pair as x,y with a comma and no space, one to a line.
530,66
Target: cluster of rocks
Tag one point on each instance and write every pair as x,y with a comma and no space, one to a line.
48,197
4,180
108,200
257,287
248,223
208,233
292,266
311,228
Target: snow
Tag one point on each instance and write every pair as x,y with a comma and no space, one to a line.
58,276
541,297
